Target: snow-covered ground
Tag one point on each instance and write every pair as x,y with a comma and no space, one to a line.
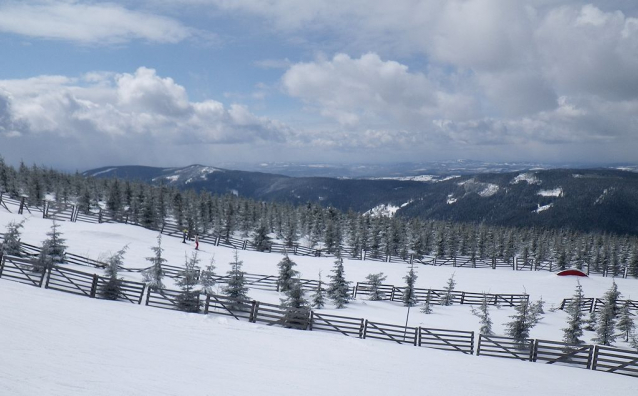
556,192
61,344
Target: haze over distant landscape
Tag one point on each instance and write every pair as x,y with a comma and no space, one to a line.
85,84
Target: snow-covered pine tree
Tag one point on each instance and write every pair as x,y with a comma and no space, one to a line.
448,297
483,313
287,273
375,281
188,299
338,288
207,277
111,290
574,329
44,261
427,304
261,240
318,300
409,296
56,244
605,328
297,311
592,321
153,275
236,290
11,243
625,322
536,311
520,326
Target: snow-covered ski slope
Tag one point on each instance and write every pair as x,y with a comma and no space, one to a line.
61,344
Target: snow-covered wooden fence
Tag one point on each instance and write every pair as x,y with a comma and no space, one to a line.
597,304
345,325
436,296
615,360
390,332
21,270
91,285
560,353
169,299
448,340
504,347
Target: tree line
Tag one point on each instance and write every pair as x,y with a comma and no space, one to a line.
313,225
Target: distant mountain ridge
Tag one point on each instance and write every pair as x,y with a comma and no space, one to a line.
582,199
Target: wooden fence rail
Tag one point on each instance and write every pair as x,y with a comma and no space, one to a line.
504,347
616,360
20,270
390,332
345,325
448,340
560,353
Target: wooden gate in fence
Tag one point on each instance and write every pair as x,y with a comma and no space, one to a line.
345,325
553,352
222,305
390,332
616,360
448,340
271,314
504,347
19,269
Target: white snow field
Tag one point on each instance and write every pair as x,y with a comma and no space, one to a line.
55,343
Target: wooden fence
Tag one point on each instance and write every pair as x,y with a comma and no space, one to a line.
614,360
91,285
436,296
597,304
19,269
560,353
448,340
505,347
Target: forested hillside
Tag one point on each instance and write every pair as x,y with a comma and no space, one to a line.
312,224
585,200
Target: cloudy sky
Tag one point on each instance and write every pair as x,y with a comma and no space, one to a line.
174,82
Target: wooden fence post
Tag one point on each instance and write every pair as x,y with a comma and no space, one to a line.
478,347
356,289
206,305
46,286
534,355
94,286
417,338
2,259
148,295
462,297
365,328
312,317
253,311
595,358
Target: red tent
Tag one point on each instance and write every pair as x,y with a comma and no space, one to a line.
571,271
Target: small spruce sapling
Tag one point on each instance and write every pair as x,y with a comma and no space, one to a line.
296,305
448,297
375,281
11,244
153,275
409,296
521,324
113,286
338,288
236,290
287,273
44,261
188,299
427,304
590,323
207,277
574,329
483,313
57,248
318,300
625,322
